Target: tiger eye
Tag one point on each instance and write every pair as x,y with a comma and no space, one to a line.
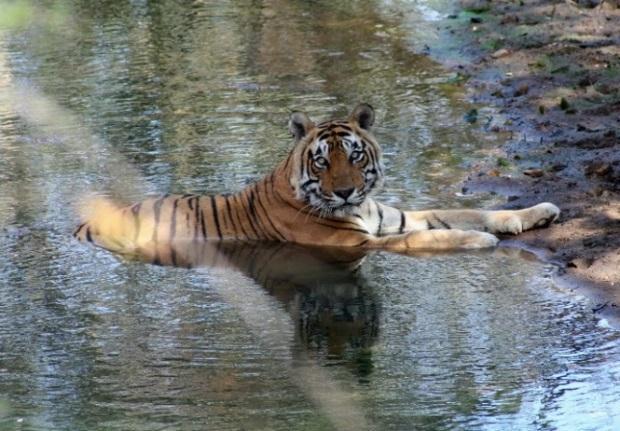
356,156
321,162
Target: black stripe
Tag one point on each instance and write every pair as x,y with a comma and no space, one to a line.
301,164
77,231
89,238
230,217
135,210
196,215
215,217
269,196
323,134
363,163
361,244
260,203
254,215
202,220
401,228
308,182
380,213
288,160
173,222
245,234
429,225
443,223
341,125
373,157
173,255
245,210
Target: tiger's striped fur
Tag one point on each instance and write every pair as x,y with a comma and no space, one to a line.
318,195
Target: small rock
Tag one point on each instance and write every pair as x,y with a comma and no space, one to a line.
510,19
590,4
534,173
580,263
475,20
557,167
592,242
596,191
500,53
522,90
587,81
472,116
476,6
600,169
584,128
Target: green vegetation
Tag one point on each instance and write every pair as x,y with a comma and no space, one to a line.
502,162
15,14
18,14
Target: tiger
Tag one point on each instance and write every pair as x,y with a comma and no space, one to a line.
319,195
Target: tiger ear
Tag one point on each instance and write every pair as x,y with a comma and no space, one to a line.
363,115
299,124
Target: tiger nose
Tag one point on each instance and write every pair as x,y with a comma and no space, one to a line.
344,193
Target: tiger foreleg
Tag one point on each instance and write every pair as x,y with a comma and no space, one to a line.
434,240
502,221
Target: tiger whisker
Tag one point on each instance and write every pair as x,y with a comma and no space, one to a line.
301,210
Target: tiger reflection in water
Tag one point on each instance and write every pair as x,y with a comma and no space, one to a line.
332,305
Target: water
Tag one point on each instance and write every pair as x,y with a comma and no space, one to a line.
131,98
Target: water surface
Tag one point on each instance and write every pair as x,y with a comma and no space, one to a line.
131,98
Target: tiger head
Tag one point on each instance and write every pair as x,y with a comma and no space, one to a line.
336,164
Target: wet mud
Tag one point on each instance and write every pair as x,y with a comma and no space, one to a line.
551,72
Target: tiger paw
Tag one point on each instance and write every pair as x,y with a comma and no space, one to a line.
540,215
473,239
515,222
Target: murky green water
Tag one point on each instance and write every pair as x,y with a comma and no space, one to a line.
142,97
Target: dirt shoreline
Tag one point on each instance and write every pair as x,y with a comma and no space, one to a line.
551,70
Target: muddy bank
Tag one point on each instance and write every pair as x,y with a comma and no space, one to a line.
551,69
